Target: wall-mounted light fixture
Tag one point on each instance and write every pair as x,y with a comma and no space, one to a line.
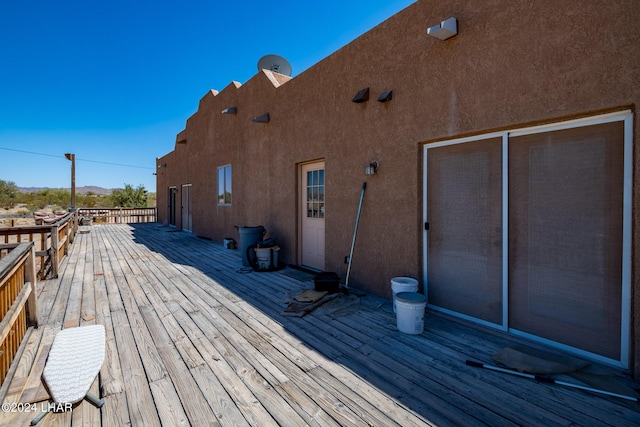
386,96
444,30
261,119
371,168
361,96
230,110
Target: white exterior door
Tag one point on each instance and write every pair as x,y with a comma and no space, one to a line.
312,213
186,207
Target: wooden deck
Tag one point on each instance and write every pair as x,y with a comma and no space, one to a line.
195,339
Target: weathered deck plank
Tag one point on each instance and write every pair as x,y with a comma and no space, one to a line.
142,410
193,338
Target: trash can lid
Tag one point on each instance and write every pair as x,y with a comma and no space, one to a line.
252,230
410,297
404,280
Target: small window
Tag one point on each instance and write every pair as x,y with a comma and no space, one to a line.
315,194
224,185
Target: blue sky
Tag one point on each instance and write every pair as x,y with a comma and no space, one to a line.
114,82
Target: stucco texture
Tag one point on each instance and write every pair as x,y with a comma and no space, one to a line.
513,64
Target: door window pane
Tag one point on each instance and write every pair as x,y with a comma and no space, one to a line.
315,193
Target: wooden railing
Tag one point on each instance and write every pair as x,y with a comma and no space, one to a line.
51,241
18,304
118,215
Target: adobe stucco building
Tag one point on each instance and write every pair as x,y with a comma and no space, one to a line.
515,140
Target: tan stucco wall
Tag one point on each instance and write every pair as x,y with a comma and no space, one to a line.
513,64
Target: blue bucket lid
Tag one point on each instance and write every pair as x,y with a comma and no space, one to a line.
410,297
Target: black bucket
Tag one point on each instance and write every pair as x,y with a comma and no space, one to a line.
327,281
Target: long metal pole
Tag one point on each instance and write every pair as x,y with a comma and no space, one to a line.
355,232
549,380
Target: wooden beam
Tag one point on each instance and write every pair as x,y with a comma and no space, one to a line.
31,278
54,252
14,259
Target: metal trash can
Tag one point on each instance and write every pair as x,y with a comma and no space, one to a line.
249,236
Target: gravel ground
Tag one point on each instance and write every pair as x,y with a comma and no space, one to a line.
16,217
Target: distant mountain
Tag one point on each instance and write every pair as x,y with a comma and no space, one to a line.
79,190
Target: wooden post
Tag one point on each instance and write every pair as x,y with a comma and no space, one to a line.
72,224
54,251
72,157
31,276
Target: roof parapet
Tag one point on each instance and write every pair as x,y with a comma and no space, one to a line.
210,94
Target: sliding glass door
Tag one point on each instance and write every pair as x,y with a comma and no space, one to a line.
464,210
565,236
529,231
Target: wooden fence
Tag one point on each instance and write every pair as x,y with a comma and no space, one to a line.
118,215
51,241
18,304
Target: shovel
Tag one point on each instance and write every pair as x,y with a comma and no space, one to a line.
353,241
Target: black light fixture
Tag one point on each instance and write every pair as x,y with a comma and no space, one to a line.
386,96
371,168
261,119
361,96
230,110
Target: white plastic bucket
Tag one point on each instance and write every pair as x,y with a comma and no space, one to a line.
410,314
402,284
263,256
274,256
267,257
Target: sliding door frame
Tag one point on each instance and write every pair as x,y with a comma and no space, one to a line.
626,117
